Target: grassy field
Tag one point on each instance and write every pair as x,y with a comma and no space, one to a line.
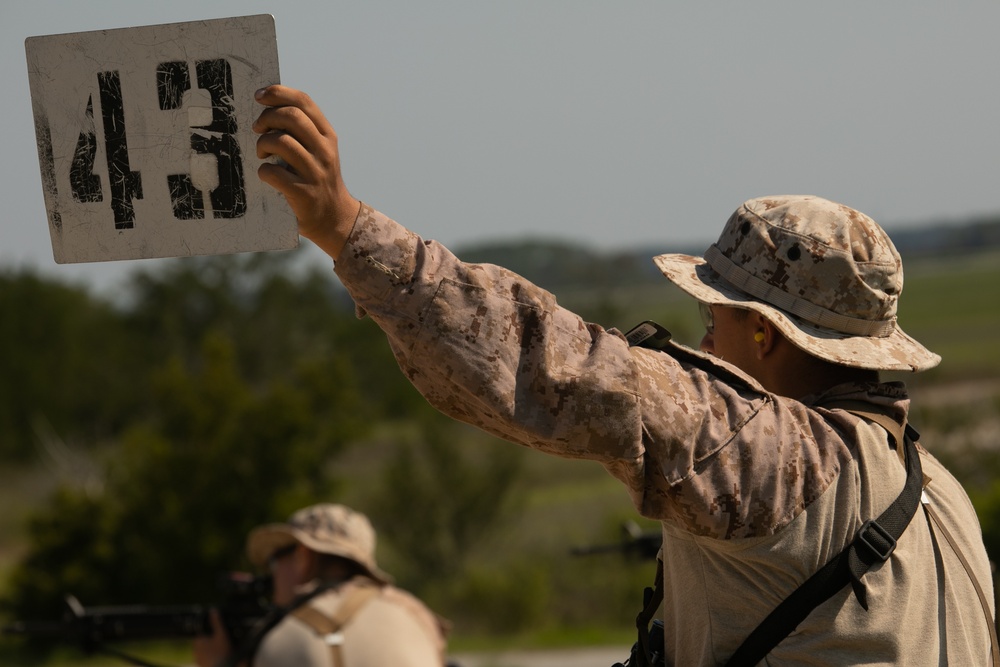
953,307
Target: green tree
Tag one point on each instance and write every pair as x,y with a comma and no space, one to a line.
277,317
271,313
440,498
216,457
63,366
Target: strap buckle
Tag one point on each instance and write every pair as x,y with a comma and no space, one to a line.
873,544
334,639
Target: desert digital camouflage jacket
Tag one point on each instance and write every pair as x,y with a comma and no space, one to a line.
755,492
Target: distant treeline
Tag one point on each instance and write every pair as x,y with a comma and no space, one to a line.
944,239
556,264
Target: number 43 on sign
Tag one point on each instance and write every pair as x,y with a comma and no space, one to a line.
144,136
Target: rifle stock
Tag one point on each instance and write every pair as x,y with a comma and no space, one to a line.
91,627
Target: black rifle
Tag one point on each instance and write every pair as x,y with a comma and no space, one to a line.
635,543
245,602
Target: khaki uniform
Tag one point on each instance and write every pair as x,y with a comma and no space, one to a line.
755,492
390,628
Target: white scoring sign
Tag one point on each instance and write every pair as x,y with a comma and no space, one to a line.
145,141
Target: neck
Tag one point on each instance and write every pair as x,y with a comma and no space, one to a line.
796,374
335,570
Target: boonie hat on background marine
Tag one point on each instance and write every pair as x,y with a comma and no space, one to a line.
825,275
326,528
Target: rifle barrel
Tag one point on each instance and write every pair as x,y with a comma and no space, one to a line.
105,624
645,547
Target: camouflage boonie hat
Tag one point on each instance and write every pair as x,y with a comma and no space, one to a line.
825,275
326,528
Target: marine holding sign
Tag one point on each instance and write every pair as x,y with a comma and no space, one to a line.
772,451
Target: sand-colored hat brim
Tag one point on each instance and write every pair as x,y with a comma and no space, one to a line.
894,352
263,541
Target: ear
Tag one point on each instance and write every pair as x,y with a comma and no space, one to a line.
307,562
765,335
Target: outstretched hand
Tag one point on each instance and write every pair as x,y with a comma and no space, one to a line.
294,129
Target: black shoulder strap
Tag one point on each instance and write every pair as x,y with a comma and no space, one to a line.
652,336
873,543
648,334
645,655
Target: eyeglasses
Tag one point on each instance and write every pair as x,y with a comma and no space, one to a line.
707,318
278,554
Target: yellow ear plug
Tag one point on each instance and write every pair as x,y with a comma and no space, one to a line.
759,336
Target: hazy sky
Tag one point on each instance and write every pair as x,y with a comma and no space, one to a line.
612,123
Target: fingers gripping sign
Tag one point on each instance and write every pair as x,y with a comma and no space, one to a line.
294,130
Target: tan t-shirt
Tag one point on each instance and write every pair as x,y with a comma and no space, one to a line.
391,628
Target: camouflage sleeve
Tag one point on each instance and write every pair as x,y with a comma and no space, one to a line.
489,348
